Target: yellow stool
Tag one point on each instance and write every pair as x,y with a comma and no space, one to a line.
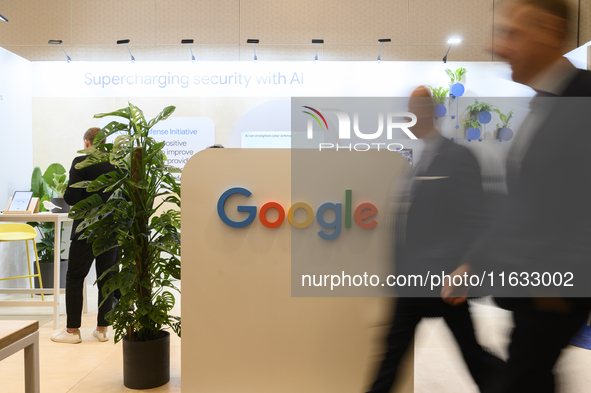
20,232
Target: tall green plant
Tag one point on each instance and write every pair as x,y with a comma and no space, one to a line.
439,94
455,76
149,243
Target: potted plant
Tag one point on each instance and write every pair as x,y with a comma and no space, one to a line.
44,188
479,112
149,243
472,128
455,77
504,133
58,185
439,95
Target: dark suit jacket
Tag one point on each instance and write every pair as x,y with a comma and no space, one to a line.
545,225
446,215
75,195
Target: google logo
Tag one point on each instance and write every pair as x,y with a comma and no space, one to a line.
362,215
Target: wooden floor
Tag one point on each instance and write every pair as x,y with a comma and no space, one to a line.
92,366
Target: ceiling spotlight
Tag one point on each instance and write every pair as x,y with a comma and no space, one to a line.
3,18
59,42
317,42
119,42
253,42
451,41
190,41
382,40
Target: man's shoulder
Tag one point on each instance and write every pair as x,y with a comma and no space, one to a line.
453,149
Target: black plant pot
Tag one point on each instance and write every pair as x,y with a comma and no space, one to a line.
61,203
47,274
146,364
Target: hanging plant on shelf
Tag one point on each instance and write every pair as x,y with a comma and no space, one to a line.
504,133
472,128
455,77
439,96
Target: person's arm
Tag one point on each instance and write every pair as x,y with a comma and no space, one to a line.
74,195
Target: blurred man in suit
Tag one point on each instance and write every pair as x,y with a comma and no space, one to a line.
438,218
81,257
544,226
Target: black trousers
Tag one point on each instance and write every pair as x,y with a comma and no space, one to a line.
79,263
537,340
408,312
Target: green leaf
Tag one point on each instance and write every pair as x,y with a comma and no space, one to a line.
143,184
165,114
48,191
95,158
170,169
81,184
155,150
122,146
108,179
124,112
37,183
82,208
137,117
103,244
118,184
450,74
44,198
51,170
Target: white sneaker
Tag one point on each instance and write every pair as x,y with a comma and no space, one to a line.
102,335
65,337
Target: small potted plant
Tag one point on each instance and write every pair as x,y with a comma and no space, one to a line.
58,185
455,77
472,128
479,112
44,188
439,95
504,133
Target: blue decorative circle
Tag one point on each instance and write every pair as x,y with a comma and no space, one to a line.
457,126
473,133
506,134
453,117
457,89
440,110
484,117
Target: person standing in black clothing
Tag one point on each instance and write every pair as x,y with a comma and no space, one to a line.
544,226
81,255
439,215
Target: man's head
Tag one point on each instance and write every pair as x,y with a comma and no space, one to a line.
89,136
531,36
421,104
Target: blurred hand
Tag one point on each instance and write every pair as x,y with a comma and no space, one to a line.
452,294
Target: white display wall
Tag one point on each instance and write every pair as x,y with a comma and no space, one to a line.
16,152
239,97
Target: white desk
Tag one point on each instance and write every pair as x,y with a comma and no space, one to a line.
17,335
57,219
